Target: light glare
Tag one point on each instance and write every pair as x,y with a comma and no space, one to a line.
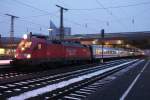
25,36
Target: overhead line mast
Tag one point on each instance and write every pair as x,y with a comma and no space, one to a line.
12,32
61,21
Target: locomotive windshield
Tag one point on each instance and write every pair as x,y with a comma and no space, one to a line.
23,45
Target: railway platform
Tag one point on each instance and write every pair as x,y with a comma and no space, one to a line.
4,62
141,87
133,85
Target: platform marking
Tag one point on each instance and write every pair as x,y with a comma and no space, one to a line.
133,83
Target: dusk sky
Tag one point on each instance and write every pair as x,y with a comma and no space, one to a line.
83,16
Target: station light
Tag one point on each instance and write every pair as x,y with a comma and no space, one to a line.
2,51
119,42
95,41
107,43
143,53
50,29
127,45
25,36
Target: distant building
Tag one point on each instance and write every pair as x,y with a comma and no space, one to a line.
55,32
7,49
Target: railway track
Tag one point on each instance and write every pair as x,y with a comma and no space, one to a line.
60,85
9,74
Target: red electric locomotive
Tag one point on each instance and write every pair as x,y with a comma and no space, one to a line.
37,49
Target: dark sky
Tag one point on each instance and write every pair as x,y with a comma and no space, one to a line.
83,16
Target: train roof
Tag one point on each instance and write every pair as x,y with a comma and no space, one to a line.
39,36
64,42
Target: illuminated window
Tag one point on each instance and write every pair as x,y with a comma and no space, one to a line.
119,42
98,51
2,51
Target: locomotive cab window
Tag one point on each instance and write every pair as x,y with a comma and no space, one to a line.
25,45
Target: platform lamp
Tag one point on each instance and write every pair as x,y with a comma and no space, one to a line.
102,37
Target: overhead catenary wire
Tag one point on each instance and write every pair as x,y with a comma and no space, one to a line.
113,7
33,23
27,5
75,23
38,26
22,19
40,15
115,17
45,27
69,9
111,14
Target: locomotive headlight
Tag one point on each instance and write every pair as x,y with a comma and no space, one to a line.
28,56
22,48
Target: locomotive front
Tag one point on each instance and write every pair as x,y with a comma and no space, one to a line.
23,51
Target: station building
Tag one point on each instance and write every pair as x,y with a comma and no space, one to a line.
7,48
